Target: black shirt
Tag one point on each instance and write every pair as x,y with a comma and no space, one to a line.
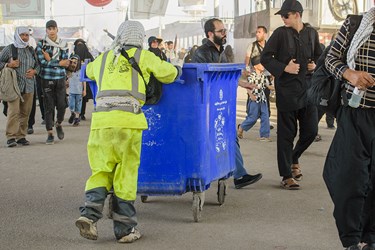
208,53
286,44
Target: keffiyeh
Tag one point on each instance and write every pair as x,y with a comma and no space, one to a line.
18,42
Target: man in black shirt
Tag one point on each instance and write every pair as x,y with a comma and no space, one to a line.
289,55
212,51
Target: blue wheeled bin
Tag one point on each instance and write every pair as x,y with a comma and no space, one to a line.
190,141
191,137
93,86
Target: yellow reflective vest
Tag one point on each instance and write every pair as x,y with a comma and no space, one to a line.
118,80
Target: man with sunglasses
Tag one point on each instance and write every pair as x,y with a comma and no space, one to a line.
289,56
212,51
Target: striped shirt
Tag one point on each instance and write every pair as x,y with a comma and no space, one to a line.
365,61
51,70
27,61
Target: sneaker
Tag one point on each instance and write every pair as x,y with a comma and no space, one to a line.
11,143
76,122
71,118
50,140
83,118
59,131
30,131
87,228
290,184
354,247
131,237
265,139
246,180
23,142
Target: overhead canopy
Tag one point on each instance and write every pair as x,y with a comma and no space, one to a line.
22,9
145,9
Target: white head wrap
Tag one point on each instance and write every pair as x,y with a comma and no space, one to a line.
18,42
130,33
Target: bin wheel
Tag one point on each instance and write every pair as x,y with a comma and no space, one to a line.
110,206
221,191
198,201
144,198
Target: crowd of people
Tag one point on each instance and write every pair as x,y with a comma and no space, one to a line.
284,63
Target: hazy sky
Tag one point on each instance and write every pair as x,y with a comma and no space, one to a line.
79,12
95,19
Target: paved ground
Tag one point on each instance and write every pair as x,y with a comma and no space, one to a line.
41,189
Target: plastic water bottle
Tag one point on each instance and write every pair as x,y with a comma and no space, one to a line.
356,98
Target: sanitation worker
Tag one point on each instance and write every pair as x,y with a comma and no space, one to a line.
114,145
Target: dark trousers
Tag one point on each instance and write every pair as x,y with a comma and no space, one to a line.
85,99
32,112
349,173
330,119
287,131
54,92
267,92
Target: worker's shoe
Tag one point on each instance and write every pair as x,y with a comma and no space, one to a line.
131,237
87,228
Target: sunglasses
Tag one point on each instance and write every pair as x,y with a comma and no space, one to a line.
222,31
285,16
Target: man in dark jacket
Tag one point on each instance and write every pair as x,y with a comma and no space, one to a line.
212,51
289,55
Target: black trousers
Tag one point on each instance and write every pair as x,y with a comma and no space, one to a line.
85,99
54,92
349,173
287,124
32,112
330,119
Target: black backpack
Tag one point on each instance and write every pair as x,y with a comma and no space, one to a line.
325,91
154,88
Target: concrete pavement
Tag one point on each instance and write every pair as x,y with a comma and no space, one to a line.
42,187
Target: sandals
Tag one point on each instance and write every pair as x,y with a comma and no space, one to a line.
290,184
239,131
296,172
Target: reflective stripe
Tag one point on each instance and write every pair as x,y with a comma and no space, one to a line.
131,109
135,80
95,205
124,219
102,67
119,93
104,105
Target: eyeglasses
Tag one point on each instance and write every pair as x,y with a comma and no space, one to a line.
222,31
285,16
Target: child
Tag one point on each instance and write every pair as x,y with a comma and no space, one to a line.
257,106
77,89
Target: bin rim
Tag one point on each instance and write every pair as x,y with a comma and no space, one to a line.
215,66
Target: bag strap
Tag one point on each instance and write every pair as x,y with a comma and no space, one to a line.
259,48
14,52
133,63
